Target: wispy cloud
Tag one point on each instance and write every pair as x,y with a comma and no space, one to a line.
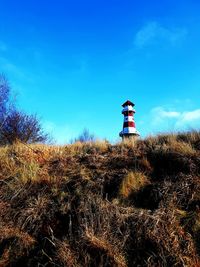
162,113
189,118
154,33
179,120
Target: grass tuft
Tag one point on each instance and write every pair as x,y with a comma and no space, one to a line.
133,182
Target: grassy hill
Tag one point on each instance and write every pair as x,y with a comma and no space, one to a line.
97,204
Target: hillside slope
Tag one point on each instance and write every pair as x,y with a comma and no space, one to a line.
100,204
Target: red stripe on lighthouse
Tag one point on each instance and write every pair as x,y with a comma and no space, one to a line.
129,124
128,113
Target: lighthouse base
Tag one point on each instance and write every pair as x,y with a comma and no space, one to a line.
133,133
129,136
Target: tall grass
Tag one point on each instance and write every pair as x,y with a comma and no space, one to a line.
135,203
133,182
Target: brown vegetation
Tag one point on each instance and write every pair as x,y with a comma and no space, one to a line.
15,125
97,204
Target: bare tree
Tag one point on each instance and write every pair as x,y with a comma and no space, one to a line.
14,124
22,127
85,136
4,98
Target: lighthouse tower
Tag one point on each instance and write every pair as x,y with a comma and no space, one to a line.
129,129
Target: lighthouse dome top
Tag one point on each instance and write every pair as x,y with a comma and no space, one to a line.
128,103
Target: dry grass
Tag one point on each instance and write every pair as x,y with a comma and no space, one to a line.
133,182
98,243
135,203
65,254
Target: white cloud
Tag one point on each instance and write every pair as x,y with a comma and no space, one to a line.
162,113
154,33
185,119
191,115
189,118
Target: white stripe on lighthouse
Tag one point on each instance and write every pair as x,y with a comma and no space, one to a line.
128,118
128,108
131,130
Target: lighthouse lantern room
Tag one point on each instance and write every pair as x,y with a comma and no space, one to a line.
129,129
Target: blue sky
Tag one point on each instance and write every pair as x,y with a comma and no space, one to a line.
75,62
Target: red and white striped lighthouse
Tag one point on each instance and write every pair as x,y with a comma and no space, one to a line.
129,129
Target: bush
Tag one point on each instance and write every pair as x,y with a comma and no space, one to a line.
85,136
16,125
19,126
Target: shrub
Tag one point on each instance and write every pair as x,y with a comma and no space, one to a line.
85,136
22,127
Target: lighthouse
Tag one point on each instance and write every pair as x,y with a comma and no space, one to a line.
129,129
